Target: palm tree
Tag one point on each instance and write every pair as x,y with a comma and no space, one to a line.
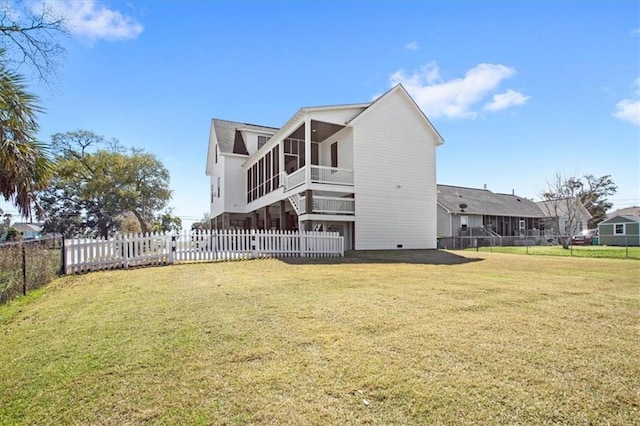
24,162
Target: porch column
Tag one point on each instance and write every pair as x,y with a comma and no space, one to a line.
307,151
309,201
281,166
283,223
267,218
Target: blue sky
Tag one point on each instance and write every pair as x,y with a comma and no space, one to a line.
520,91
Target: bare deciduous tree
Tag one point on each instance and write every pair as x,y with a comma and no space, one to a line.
30,34
562,207
572,203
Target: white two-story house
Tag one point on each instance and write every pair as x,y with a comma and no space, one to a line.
367,171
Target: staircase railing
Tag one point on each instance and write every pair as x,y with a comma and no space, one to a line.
294,199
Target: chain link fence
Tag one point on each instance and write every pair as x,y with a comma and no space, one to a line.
625,247
464,242
28,265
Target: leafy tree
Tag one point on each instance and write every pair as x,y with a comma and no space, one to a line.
24,162
203,224
565,196
30,33
593,195
96,181
13,234
5,222
166,222
128,224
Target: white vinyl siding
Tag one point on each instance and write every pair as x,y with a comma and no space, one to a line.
228,179
234,187
345,149
395,177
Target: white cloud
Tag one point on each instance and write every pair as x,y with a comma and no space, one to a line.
412,46
634,32
505,100
460,97
93,20
629,109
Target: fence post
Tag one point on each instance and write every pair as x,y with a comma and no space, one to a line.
626,246
172,249
254,253
24,270
214,242
63,261
125,251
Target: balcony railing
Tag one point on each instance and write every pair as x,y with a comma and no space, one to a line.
331,175
294,179
329,205
319,174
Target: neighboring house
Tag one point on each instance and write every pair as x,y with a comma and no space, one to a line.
29,231
627,211
620,231
565,216
364,170
479,212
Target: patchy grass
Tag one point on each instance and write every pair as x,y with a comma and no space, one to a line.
375,338
43,258
575,251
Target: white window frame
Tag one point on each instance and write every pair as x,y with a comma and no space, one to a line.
464,222
615,229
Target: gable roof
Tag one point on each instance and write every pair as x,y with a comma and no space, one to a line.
627,211
230,139
559,207
27,227
400,88
485,202
617,219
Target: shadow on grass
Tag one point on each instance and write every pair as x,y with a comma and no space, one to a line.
424,257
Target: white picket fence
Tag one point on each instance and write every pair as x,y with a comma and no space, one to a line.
124,251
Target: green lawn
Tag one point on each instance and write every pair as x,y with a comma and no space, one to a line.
376,338
576,251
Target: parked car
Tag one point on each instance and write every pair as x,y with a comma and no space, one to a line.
585,237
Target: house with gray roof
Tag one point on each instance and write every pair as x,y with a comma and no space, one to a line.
28,231
626,211
366,171
565,216
480,212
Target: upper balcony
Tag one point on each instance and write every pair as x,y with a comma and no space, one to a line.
319,175
308,155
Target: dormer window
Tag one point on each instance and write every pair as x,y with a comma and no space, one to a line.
261,141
